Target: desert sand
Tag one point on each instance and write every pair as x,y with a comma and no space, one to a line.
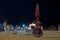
48,35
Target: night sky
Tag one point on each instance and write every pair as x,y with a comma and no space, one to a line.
17,11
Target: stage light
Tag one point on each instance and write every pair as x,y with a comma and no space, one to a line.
23,25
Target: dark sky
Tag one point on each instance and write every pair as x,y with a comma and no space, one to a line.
23,11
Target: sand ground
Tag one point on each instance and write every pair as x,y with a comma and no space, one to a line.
48,35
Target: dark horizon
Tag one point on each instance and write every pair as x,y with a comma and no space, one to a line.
24,11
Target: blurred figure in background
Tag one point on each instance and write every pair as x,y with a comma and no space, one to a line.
5,26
